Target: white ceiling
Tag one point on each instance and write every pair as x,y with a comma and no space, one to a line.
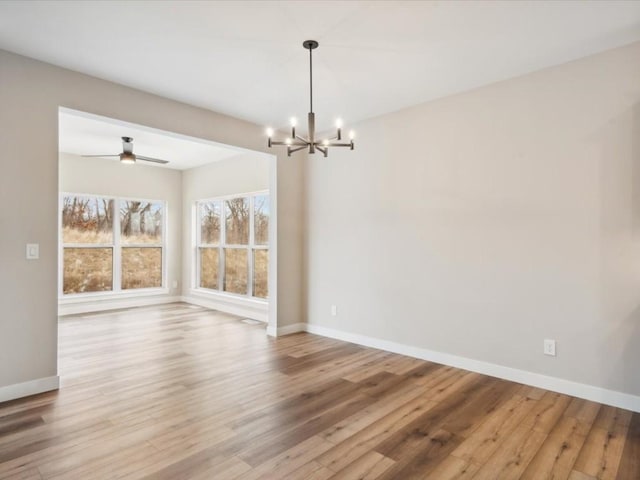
85,134
245,58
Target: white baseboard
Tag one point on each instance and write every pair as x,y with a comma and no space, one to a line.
567,387
101,305
286,330
19,390
260,313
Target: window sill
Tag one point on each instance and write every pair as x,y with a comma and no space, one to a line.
106,296
230,298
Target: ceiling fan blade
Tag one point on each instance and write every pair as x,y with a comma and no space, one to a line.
110,155
151,159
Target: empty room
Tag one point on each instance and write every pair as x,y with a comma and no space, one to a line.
309,240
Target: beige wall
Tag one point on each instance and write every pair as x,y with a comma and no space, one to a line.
104,177
480,224
30,94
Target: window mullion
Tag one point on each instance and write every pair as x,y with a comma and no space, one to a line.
221,245
117,262
250,247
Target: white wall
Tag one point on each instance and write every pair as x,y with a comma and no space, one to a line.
480,224
30,94
243,173
104,177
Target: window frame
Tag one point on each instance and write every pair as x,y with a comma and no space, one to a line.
250,247
117,245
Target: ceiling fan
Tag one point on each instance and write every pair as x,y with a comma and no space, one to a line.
127,156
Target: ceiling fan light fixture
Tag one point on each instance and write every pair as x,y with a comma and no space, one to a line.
127,158
296,142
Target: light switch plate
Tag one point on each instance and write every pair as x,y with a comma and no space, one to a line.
550,347
33,251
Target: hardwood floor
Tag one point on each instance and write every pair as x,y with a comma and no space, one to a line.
181,392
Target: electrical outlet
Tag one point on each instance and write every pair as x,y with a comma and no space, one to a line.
550,347
334,310
33,251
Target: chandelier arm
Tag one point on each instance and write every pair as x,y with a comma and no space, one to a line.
324,150
292,144
293,150
339,145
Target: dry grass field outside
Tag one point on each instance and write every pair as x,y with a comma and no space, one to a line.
75,235
90,269
141,267
236,270
87,270
261,273
236,274
209,267
215,241
89,221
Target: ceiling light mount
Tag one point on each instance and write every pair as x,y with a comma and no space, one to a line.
295,143
310,44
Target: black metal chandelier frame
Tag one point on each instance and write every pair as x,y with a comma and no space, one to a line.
296,142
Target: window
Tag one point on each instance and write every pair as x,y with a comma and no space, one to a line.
105,251
141,239
233,245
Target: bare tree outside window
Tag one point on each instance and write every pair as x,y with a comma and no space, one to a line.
141,222
141,238
261,238
87,225
90,247
209,216
237,221
87,220
261,219
233,255
209,213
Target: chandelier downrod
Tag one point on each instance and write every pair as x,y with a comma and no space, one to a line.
310,80
296,143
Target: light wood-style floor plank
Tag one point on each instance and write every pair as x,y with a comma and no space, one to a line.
182,392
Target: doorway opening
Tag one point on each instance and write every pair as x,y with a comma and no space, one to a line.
198,227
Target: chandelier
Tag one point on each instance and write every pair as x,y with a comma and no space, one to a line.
295,142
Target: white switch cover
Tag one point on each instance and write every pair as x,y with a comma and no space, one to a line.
550,347
33,251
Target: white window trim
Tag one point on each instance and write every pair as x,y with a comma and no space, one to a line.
116,292
250,247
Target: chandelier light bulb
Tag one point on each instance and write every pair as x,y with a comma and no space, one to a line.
287,141
352,135
269,132
339,123
294,121
325,142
